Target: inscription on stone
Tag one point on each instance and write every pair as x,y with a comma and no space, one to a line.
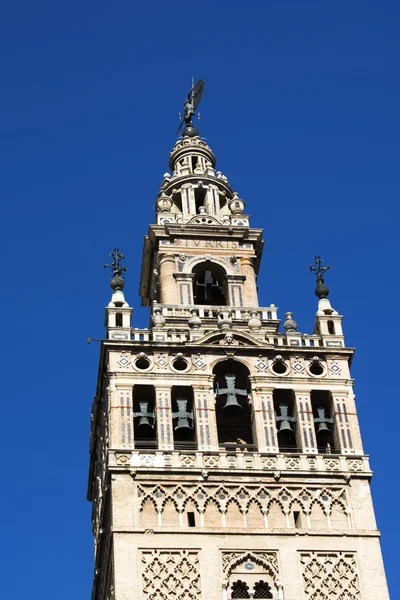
225,244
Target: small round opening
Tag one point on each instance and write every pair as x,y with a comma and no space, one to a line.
142,363
279,367
180,364
316,368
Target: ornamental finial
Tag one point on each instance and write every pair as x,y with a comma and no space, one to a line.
322,291
117,279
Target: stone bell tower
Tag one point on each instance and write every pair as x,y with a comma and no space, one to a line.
226,457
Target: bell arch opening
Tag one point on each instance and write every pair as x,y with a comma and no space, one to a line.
183,417
209,284
233,412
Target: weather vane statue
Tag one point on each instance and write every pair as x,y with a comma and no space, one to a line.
117,279
191,103
321,290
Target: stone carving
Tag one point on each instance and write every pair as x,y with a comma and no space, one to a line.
257,500
332,464
292,462
187,460
169,574
261,364
147,460
230,560
162,361
334,368
355,465
122,459
198,363
229,340
269,462
298,366
330,576
124,362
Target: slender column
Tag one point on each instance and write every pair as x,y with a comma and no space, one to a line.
250,285
205,418
347,436
168,285
264,426
165,435
121,410
305,433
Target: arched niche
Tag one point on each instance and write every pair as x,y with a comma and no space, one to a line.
233,411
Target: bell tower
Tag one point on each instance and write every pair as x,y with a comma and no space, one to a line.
226,457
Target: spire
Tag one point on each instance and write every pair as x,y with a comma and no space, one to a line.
322,291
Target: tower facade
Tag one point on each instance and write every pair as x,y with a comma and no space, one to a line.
226,457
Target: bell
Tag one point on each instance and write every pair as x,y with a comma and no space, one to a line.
144,428
183,429
323,433
232,407
285,429
285,434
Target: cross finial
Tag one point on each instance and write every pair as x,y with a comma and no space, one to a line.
117,279
115,265
321,290
318,269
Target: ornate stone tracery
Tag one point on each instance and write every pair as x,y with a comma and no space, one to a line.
330,576
168,574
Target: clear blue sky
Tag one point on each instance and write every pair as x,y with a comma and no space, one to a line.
302,110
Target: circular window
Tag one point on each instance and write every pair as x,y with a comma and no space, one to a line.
143,362
316,368
279,367
180,364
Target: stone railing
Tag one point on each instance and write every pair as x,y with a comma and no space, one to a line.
243,461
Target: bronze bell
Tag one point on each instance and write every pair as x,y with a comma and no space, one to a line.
184,420
232,407
183,428
323,432
285,429
145,426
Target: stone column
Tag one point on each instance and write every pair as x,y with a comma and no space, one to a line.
121,416
305,432
205,418
264,425
167,269
250,285
165,432
347,438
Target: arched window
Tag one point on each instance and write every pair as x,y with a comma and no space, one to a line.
209,285
262,590
331,327
240,589
233,413
118,320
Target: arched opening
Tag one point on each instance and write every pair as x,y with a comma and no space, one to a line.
322,405
200,194
233,413
118,320
331,327
209,285
144,416
285,420
262,590
240,589
183,417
